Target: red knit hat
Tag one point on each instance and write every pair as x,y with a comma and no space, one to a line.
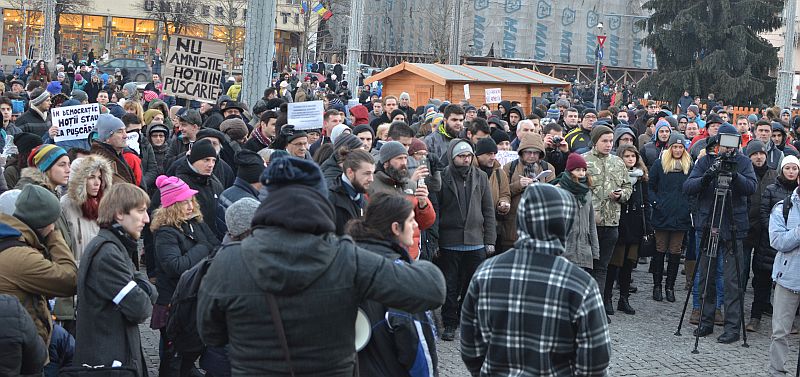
575,161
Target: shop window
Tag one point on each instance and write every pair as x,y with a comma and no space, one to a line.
13,20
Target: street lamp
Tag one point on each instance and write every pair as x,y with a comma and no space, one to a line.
598,56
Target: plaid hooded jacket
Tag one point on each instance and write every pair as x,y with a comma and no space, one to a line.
529,311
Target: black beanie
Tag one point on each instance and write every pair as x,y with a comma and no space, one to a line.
485,145
250,166
25,142
200,150
499,136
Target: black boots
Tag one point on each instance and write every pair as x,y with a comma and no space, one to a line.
657,269
624,287
673,264
609,289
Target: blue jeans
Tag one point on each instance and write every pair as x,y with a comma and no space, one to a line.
698,235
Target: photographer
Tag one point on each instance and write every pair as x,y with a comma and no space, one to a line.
556,148
703,180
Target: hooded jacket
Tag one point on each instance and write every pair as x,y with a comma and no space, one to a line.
122,171
652,150
318,280
499,339
208,189
582,246
764,256
620,131
514,171
465,221
109,325
362,115
24,352
36,271
83,229
402,343
521,113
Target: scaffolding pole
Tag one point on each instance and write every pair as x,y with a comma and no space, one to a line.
783,97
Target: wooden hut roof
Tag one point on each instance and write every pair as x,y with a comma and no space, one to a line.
442,73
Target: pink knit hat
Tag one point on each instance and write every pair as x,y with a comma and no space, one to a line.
173,190
149,95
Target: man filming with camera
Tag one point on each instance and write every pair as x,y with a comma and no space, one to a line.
722,165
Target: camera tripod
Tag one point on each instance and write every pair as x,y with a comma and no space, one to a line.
711,238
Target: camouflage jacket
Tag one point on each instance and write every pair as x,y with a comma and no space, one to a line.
608,173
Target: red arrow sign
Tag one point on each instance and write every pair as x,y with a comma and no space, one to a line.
601,39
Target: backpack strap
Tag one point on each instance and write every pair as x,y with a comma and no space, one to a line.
787,206
511,169
7,243
276,319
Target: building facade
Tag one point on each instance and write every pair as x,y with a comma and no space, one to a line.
127,29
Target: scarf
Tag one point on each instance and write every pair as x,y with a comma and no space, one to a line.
91,206
634,175
789,185
577,189
126,240
760,171
263,139
443,130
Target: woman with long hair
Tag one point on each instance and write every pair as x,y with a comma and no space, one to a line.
134,107
182,240
582,246
90,178
671,218
400,341
633,223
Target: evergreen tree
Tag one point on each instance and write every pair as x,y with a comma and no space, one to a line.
713,46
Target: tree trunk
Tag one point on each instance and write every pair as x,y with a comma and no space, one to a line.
257,65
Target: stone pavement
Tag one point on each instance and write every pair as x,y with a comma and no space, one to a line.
643,344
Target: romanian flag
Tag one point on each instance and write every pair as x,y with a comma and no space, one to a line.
323,12
304,6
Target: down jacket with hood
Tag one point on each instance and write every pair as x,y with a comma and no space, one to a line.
35,271
513,128
83,229
362,115
317,279
652,151
619,131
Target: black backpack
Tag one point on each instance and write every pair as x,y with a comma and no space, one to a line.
787,206
181,328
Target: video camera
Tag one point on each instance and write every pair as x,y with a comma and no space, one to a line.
726,162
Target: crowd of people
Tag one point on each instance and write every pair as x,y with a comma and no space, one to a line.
253,245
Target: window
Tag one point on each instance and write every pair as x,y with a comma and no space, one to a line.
234,13
220,12
149,5
296,18
205,10
285,17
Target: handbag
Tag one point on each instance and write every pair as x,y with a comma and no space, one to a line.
647,245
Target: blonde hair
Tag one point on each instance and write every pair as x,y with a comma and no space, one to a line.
667,161
120,198
173,216
383,128
136,107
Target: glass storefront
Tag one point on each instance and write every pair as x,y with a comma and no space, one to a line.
12,43
132,38
81,34
233,38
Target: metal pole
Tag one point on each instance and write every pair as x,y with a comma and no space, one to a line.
783,97
596,76
455,34
258,49
48,32
354,44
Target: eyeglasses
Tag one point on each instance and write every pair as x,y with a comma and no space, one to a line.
299,144
626,139
652,107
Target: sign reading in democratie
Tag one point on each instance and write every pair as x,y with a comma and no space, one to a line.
75,122
493,95
504,157
194,68
306,115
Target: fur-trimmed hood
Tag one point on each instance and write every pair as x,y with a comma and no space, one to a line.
80,170
31,175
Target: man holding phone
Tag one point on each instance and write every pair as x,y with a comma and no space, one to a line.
611,188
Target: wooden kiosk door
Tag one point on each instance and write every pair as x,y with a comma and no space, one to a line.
422,93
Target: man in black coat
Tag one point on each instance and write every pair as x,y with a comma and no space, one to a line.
347,191
316,279
35,119
24,351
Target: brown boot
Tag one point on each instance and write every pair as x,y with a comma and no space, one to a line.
695,317
753,325
719,319
688,265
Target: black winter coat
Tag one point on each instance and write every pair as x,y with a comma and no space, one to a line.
650,153
401,342
208,189
670,206
178,250
631,227
754,212
22,350
764,256
345,208
318,281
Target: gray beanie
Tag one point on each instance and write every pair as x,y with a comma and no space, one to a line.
106,125
755,146
37,207
347,140
390,150
676,138
240,214
8,202
80,95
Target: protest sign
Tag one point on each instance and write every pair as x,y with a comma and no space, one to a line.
306,115
194,68
75,122
132,141
466,91
504,157
493,95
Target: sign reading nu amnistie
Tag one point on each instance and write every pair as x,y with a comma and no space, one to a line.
194,68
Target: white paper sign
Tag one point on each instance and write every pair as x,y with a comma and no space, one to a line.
504,157
75,122
466,91
306,115
493,95
133,142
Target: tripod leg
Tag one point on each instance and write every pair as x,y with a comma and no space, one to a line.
739,282
703,296
686,304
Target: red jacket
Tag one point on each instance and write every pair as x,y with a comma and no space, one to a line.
136,165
